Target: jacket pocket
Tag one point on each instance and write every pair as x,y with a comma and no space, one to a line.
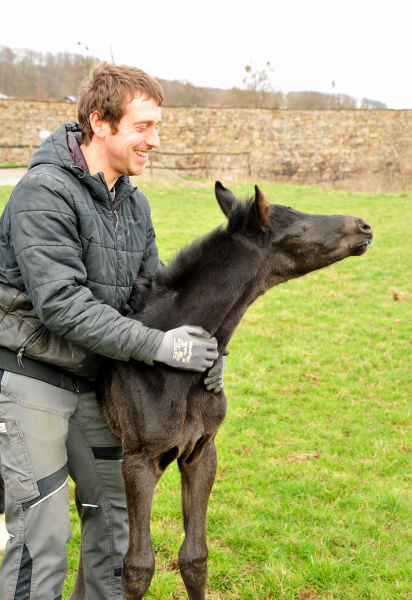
31,341
16,467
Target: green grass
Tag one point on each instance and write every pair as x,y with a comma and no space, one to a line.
11,166
313,497
5,192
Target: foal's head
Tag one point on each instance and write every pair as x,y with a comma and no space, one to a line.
292,243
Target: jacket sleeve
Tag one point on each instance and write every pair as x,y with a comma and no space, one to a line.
44,236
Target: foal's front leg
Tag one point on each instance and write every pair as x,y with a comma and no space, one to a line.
198,473
140,477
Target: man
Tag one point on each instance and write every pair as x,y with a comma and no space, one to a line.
74,236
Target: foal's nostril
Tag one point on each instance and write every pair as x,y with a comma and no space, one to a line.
364,226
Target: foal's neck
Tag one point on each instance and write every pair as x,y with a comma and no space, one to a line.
223,288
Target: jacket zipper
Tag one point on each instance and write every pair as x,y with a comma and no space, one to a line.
116,229
29,342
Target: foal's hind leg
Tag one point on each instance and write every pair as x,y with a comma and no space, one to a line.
198,473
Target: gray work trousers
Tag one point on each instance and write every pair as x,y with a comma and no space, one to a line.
46,434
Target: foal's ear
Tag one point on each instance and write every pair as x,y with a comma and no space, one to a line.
258,215
225,198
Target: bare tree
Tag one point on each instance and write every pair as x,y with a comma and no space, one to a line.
259,90
28,74
369,104
318,100
42,76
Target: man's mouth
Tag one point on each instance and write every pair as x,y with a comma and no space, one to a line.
141,153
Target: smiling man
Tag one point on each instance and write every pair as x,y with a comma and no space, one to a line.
74,237
124,150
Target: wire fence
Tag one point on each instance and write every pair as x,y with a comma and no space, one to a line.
20,146
193,164
16,155
203,164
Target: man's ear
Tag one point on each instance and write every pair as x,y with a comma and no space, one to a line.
98,125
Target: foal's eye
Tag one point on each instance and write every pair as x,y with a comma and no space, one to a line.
301,233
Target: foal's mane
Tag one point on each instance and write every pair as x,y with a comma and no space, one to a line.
188,259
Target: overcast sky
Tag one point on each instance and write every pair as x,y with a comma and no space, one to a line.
364,46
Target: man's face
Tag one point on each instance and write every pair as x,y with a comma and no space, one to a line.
127,149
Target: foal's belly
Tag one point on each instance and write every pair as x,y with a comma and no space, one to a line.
177,430
160,410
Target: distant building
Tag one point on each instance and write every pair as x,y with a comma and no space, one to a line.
3,96
71,99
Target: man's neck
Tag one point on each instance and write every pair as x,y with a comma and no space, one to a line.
96,163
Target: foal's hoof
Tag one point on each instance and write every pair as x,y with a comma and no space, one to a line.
136,581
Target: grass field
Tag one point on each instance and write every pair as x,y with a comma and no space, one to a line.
313,497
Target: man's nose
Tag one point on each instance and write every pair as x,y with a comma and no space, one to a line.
153,139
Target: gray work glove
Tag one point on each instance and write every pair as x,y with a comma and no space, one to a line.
188,347
214,379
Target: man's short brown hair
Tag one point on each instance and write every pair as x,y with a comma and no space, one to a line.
107,89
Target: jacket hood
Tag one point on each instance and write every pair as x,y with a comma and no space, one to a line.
55,151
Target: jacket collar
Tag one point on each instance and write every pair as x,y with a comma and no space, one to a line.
56,150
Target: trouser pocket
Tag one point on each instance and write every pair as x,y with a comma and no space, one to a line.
16,467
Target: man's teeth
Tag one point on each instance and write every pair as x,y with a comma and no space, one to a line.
140,153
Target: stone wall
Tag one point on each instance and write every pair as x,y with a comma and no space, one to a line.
359,149
21,122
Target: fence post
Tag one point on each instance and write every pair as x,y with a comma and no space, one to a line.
206,166
250,164
151,165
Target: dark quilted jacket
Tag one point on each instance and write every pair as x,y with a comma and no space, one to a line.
68,261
